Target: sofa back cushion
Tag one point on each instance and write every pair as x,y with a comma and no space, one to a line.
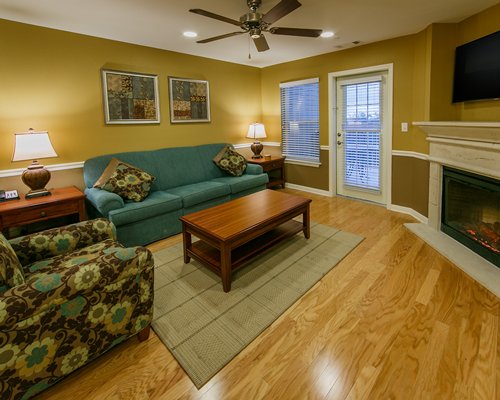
172,167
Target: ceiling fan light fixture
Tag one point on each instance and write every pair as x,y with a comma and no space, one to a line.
327,34
189,34
255,33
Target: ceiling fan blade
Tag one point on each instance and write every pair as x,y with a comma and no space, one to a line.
215,16
219,37
261,43
296,32
280,10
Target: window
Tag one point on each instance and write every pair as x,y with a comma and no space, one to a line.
300,120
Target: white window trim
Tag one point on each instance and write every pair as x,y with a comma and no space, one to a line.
299,83
302,162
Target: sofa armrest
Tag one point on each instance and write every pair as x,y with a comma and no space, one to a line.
254,169
103,200
56,241
44,291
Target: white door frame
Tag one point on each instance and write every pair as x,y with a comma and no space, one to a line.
332,124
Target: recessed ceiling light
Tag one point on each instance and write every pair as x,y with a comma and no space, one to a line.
190,34
327,34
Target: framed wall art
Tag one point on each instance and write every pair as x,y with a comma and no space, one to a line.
189,100
130,98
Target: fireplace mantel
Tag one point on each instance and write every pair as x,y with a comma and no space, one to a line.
462,130
470,146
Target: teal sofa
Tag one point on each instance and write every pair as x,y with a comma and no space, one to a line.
186,181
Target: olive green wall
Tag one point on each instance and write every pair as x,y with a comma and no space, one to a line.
50,80
410,181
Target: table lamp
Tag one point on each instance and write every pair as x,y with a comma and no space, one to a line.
256,131
34,145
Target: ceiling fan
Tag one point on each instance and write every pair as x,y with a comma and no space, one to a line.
256,23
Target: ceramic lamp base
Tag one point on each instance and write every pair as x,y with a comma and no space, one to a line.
36,177
256,148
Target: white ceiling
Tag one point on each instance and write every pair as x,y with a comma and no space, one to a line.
160,23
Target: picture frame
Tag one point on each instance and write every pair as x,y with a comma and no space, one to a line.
130,98
189,100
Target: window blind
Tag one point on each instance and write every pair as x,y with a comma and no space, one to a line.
300,120
362,128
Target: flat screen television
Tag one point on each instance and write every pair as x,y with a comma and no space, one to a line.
477,69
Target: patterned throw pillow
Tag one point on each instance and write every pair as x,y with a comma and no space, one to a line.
230,161
11,271
125,180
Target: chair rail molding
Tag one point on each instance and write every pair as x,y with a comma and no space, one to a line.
54,167
411,154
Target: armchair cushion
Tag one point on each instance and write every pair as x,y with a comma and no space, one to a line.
11,271
62,280
53,242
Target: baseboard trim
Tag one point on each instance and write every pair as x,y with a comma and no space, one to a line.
408,211
55,167
308,189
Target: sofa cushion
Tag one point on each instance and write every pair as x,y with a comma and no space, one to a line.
156,203
230,161
200,192
244,182
126,180
11,271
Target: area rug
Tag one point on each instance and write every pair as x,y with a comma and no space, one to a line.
205,328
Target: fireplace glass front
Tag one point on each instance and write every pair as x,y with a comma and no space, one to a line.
471,212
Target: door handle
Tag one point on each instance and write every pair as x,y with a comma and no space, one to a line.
339,142
339,134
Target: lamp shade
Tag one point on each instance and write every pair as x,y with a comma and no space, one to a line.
33,145
256,131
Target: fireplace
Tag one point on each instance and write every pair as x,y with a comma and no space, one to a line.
471,212
457,146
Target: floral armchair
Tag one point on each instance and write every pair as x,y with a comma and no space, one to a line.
67,295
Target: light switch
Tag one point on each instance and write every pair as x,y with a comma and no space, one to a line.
404,126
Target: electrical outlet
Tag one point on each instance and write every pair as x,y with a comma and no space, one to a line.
404,126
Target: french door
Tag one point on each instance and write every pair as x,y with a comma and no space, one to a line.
361,130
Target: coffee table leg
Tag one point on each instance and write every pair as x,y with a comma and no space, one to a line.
186,241
225,267
305,223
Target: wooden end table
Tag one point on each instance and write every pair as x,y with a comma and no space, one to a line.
61,202
275,163
232,233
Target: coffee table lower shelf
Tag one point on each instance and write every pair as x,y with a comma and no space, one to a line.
210,256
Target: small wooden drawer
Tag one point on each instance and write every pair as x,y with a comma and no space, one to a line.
274,165
39,213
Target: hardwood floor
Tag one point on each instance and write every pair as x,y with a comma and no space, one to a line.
393,320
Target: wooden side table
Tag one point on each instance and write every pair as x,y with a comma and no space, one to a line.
62,202
275,165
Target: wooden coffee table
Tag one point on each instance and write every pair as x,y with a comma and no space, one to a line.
234,232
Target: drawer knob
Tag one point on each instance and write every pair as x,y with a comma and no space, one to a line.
43,214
